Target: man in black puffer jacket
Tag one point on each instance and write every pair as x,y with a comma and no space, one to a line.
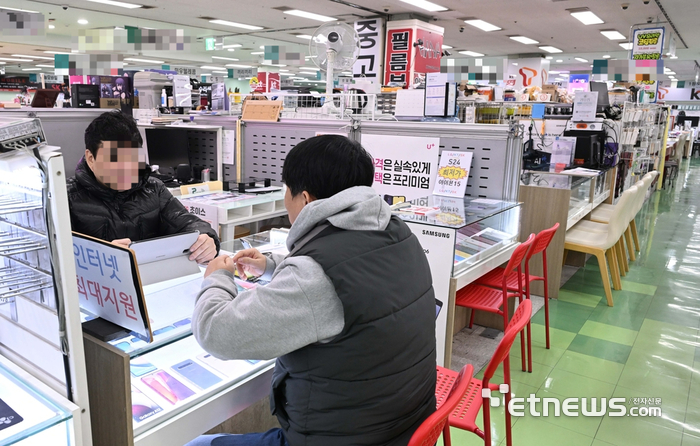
113,197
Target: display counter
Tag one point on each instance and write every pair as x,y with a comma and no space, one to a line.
30,413
463,240
566,198
168,391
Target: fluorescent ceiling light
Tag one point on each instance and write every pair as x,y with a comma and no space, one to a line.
55,52
32,57
304,36
45,66
515,63
235,25
310,68
307,72
551,49
549,58
225,58
120,4
667,72
233,65
580,59
9,59
203,74
484,26
262,47
284,70
272,64
257,53
424,4
2,63
554,72
235,45
124,63
627,45
211,67
310,15
446,47
471,53
20,10
220,72
134,59
523,39
230,49
287,74
82,22
607,56
559,60
52,26
31,69
586,17
613,35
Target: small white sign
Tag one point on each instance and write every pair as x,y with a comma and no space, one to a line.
183,90
107,287
197,189
344,80
206,212
453,174
228,148
585,104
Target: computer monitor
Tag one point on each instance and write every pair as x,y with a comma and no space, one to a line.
603,98
694,120
44,98
85,96
167,148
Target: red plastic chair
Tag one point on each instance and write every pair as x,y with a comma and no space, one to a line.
479,297
465,414
448,393
494,277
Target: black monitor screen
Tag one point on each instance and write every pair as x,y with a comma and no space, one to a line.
602,89
167,148
694,120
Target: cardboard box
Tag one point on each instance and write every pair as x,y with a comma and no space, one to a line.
551,90
110,103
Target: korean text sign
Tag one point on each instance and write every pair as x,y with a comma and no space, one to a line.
403,165
399,48
453,174
369,61
648,44
108,284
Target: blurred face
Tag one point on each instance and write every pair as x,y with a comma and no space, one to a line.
294,204
117,164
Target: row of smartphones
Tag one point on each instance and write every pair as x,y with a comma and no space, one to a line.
169,387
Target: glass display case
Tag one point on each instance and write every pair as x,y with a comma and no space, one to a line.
588,188
483,226
28,416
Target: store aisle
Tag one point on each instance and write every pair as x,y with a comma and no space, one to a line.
646,346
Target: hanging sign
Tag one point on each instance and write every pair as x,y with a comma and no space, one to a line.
369,62
648,44
398,51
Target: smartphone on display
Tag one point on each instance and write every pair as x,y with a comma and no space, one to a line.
163,330
123,346
142,407
167,386
183,322
140,368
8,416
438,307
196,374
228,368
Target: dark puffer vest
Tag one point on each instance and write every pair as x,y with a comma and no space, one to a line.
374,383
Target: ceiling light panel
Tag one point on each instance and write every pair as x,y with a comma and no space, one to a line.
551,49
426,5
310,15
586,17
119,4
525,40
482,25
613,35
471,53
236,25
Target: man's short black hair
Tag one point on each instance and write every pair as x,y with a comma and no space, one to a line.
327,164
112,126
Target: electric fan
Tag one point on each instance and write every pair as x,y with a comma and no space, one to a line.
334,47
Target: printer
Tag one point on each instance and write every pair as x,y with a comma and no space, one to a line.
150,84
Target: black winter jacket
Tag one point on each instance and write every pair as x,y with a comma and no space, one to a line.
146,211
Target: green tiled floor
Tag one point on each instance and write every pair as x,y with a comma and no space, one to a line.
647,345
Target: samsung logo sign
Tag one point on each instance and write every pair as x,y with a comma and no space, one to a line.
436,234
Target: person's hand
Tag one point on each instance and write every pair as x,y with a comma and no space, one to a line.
125,242
221,262
203,250
249,261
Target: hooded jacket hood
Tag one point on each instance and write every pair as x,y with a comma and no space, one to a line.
357,208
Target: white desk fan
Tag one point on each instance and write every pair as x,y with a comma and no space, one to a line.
334,47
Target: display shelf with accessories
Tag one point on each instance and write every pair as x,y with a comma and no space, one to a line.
463,240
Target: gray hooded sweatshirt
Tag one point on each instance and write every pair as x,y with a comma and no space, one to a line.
300,305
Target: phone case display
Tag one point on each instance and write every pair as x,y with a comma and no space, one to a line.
27,417
174,377
483,226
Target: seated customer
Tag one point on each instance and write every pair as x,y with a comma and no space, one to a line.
349,313
113,198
